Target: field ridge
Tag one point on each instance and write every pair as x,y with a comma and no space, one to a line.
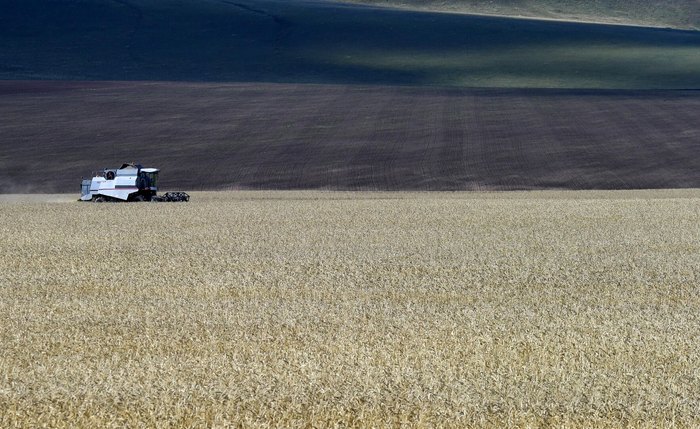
682,14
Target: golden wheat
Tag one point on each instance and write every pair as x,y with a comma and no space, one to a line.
312,309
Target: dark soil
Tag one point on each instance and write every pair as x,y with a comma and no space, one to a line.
295,136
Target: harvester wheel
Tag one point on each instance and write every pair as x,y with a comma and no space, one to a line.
100,199
139,198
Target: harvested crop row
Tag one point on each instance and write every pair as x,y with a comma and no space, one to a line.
288,309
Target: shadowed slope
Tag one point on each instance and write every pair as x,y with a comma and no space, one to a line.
326,42
218,136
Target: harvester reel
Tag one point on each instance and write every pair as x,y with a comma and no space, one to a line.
176,197
171,197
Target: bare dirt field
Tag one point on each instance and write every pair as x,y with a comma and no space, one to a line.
319,309
289,136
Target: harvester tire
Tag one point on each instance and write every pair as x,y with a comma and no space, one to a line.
139,198
100,199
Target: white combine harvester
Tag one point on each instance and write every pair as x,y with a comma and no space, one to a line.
130,182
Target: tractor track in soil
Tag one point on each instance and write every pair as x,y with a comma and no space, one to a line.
282,26
348,137
138,23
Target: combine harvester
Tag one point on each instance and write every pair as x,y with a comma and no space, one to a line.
130,182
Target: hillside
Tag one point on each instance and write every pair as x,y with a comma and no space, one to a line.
327,42
665,13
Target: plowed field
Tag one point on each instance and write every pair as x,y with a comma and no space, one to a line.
295,136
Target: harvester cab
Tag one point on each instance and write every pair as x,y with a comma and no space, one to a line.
130,182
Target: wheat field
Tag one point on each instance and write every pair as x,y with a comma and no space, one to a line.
321,309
